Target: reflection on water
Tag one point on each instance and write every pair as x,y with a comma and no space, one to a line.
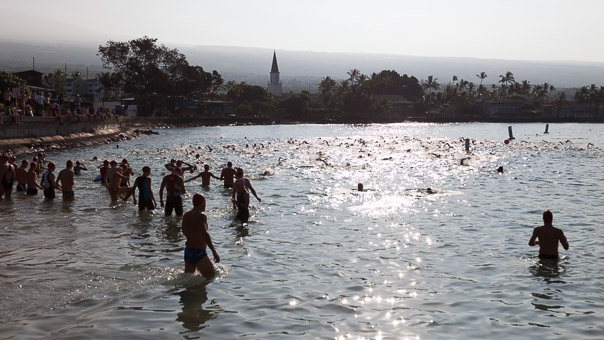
322,259
193,315
550,271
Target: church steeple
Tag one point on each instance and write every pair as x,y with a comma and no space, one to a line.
275,67
274,85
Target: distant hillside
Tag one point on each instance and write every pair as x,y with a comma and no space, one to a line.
304,70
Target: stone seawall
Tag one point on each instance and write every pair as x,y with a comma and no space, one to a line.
37,127
36,134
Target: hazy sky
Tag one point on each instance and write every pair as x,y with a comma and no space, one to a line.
500,29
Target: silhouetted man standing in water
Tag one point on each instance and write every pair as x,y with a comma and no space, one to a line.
227,175
195,229
548,236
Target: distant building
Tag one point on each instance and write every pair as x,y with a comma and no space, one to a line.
32,77
89,88
274,85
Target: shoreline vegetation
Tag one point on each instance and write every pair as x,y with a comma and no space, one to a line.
29,138
44,112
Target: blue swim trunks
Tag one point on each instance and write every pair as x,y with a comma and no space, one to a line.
194,255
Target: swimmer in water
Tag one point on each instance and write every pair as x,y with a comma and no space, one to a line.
547,237
227,175
205,175
195,228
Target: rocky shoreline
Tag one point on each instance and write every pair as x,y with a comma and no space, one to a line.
44,144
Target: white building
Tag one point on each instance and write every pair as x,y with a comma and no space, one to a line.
274,85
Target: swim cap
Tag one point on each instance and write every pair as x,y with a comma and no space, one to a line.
198,199
548,216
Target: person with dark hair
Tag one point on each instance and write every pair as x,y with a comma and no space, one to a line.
195,229
32,179
66,178
175,188
146,200
547,237
7,177
48,182
205,175
241,196
21,176
227,175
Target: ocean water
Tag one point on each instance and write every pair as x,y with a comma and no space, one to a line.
319,259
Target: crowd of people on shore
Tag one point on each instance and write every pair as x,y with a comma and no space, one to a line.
41,104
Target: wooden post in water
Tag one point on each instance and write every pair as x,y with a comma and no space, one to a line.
546,128
510,132
467,144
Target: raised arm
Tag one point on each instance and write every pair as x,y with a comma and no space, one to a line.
192,178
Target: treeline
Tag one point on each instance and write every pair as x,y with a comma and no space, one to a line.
159,78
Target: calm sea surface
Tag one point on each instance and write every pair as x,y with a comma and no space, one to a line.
320,260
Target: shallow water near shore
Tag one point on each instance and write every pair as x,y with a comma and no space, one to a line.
319,259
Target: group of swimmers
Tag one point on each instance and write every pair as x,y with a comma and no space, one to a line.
26,176
194,222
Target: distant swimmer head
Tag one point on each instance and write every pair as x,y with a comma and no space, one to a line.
113,163
146,170
207,167
51,166
33,165
229,164
500,169
548,217
124,161
360,186
24,162
239,173
69,163
199,200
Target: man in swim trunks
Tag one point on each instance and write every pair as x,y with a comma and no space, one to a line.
49,183
195,229
22,176
205,176
126,171
548,236
241,196
32,179
175,187
145,193
227,175
114,184
102,177
67,179
7,177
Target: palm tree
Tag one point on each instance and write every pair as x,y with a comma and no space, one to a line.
353,76
482,77
431,84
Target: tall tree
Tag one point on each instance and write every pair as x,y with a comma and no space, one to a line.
155,74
